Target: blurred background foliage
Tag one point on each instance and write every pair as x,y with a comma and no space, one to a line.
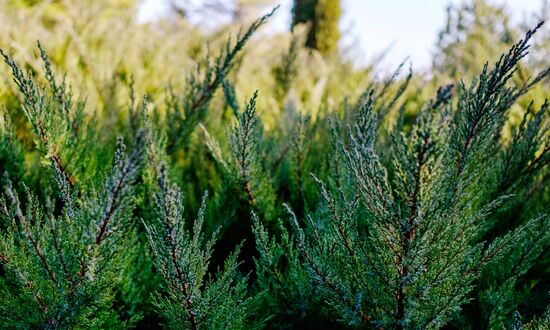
101,47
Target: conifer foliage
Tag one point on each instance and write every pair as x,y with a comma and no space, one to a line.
193,301
387,211
61,264
60,269
405,247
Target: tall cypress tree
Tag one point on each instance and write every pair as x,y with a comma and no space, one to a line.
323,16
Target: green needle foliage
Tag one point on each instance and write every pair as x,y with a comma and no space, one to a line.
60,270
59,256
246,183
57,120
337,201
245,164
11,155
185,113
192,300
403,242
286,292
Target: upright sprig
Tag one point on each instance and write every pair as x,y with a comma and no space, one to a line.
245,169
186,112
404,248
62,269
194,299
243,142
483,107
63,131
246,186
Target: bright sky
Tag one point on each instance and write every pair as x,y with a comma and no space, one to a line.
410,27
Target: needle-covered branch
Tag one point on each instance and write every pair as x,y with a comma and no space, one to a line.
193,299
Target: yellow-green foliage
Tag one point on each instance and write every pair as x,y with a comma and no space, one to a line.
101,48
327,32
323,17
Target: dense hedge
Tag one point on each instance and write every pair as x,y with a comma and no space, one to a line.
292,191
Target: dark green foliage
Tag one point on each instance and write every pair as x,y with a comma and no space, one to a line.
402,244
286,292
246,183
11,156
541,323
61,269
303,11
193,301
